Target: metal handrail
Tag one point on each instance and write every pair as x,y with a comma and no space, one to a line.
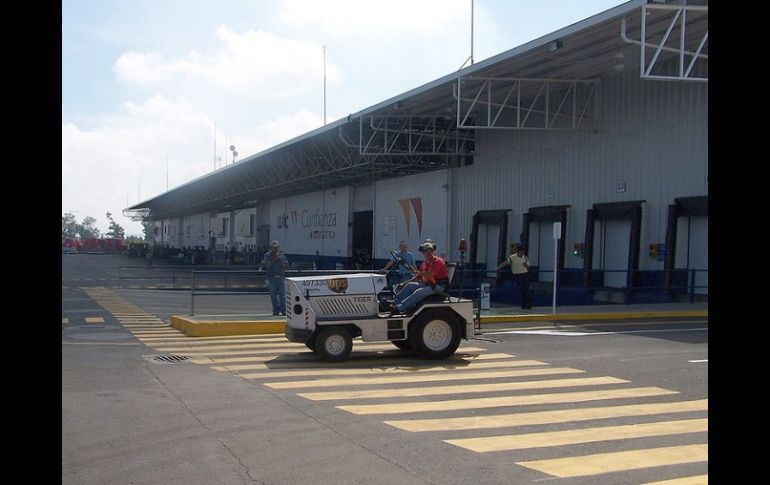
689,288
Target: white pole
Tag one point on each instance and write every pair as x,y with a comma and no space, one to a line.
324,85
471,32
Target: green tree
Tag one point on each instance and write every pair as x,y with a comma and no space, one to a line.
87,229
149,231
116,230
133,238
69,226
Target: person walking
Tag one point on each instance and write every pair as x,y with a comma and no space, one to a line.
519,264
275,262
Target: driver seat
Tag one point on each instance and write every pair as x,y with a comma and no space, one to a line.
437,297
442,295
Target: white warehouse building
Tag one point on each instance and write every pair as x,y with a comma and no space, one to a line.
601,126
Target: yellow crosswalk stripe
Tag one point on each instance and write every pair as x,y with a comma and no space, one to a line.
461,358
366,381
459,389
578,466
275,349
546,417
94,320
501,401
170,332
217,339
268,347
374,371
155,330
357,355
272,345
575,436
139,320
694,480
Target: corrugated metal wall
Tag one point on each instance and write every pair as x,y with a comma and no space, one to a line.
411,208
652,136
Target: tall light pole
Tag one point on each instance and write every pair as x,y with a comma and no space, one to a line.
471,32
324,85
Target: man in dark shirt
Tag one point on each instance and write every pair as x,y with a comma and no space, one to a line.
275,262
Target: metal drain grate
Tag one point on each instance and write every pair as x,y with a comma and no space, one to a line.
166,358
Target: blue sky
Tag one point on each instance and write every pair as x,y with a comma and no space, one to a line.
150,88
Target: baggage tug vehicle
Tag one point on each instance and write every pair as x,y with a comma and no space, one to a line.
327,312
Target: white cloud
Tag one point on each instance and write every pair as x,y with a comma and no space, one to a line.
107,168
255,65
259,86
153,67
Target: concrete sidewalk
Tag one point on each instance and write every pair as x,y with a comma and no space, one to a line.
249,324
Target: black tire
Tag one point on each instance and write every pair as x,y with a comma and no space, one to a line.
311,343
333,344
436,334
405,345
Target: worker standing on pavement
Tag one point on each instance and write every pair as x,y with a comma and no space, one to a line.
275,263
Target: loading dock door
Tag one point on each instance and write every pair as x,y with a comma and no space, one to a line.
613,232
612,238
362,235
537,237
488,239
488,247
541,246
692,252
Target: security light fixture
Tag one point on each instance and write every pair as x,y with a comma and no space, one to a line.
555,45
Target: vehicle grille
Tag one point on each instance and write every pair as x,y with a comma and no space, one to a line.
341,306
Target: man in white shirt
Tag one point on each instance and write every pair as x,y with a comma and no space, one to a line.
519,264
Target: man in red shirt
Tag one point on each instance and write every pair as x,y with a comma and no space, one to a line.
433,277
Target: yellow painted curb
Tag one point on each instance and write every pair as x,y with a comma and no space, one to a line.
591,316
215,328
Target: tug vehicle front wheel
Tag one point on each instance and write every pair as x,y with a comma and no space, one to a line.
333,344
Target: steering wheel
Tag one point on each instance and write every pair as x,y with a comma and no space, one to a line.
401,260
397,256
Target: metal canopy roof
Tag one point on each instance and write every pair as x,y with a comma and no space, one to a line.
427,128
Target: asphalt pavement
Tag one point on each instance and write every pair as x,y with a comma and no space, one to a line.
129,416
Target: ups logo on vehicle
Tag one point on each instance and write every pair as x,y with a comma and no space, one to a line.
338,285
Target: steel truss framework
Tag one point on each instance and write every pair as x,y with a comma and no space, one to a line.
327,162
410,136
684,44
137,214
525,104
555,88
